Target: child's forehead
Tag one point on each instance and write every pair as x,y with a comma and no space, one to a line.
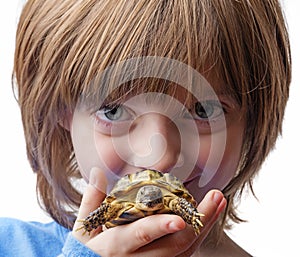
157,90
159,75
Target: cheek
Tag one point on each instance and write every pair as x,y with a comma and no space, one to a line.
108,158
219,161
226,170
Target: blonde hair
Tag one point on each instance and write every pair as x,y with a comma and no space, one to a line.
62,45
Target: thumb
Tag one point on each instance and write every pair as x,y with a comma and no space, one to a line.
93,196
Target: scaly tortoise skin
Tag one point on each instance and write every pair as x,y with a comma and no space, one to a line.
141,194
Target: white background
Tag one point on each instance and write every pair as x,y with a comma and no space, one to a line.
274,220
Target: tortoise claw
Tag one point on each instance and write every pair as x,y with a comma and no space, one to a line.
197,224
188,212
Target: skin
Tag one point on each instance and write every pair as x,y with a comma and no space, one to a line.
123,140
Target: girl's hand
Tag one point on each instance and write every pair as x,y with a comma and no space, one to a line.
163,235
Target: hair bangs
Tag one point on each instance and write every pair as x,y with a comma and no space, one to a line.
110,52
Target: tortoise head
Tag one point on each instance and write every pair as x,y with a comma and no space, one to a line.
149,198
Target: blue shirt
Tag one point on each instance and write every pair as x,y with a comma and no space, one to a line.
34,239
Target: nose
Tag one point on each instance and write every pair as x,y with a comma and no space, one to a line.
155,142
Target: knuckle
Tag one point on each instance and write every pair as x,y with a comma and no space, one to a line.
142,236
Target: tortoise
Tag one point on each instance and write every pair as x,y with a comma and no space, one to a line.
141,194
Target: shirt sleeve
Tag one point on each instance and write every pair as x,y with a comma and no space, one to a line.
74,248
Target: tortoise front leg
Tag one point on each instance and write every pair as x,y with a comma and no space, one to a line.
188,212
100,216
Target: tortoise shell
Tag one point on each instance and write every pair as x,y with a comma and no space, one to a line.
141,194
126,188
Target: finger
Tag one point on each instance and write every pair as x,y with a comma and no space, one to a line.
92,198
136,235
153,227
212,206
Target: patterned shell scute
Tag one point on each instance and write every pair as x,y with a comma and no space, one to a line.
149,177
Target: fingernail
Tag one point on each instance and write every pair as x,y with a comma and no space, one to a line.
217,197
173,226
176,225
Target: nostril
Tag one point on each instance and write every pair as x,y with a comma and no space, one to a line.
165,153
168,162
155,143
151,152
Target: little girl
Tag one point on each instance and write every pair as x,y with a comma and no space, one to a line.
107,88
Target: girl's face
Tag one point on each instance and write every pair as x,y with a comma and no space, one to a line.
198,140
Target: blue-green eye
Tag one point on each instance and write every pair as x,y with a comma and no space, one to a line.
113,113
206,110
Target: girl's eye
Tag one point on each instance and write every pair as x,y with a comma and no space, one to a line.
113,113
207,110
209,116
113,120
